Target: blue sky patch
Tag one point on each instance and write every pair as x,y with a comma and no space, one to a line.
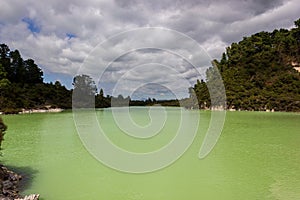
31,25
64,79
70,35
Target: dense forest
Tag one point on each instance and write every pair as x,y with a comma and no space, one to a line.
261,72
22,86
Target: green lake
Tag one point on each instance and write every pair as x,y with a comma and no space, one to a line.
256,157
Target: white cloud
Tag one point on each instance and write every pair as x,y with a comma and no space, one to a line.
213,24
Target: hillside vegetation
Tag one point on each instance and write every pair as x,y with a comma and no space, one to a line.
22,86
261,72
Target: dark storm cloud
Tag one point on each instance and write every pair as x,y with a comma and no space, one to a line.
259,6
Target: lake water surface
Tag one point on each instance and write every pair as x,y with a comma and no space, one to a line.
256,157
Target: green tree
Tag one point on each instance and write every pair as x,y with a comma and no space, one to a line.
101,94
5,58
101,101
3,128
33,74
84,91
17,68
258,72
4,82
21,85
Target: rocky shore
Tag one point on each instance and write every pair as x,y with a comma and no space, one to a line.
9,183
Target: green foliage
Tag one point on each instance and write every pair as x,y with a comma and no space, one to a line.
84,91
258,72
202,95
3,128
101,101
21,85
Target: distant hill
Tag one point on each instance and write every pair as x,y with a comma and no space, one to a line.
261,72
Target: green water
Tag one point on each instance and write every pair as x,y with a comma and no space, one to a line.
256,157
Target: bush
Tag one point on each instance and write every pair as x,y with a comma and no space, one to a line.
3,128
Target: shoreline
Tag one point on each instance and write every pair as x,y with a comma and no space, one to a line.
9,186
58,110
30,111
50,110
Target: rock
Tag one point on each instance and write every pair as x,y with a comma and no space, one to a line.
30,197
9,182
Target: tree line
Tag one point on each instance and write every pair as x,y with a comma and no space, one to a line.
85,95
261,72
22,86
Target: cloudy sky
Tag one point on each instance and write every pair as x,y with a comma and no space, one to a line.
113,41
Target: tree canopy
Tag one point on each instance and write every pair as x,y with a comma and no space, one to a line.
22,86
259,72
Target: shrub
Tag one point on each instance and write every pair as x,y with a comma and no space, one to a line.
3,128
